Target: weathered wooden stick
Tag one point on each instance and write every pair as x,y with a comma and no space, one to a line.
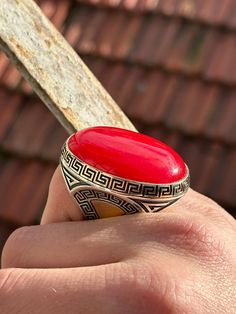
53,68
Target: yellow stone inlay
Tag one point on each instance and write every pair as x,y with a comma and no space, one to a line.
106,210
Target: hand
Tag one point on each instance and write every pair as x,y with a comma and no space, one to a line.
180,260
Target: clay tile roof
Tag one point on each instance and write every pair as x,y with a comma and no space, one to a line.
5,229
169,64
211,12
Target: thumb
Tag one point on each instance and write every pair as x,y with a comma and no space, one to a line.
60,205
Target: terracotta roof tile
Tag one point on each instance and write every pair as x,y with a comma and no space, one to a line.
54,140
73,28
23,187
48,7
190,150
124,41
225,185
211,12
73,33
221,66
153,96
41,175
9,108
4,63
144,95
204,180
164,98
25,87
129,84
231,20
202,49
91,30
166,42
11,77
146,39
61,12
5,230
175,45
197,123
111,75
129,4
109,33
26,126
97,35
185,98
180,50
215,12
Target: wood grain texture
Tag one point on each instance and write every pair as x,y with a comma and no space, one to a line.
53,68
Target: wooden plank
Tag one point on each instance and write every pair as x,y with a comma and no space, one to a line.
53,68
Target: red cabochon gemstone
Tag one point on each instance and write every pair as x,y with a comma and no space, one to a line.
128,154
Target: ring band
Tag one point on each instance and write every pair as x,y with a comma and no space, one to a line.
100,194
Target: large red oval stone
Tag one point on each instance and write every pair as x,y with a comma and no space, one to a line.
128,154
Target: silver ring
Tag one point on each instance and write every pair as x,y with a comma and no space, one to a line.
100,194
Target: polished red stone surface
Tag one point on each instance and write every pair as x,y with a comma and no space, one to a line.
128,154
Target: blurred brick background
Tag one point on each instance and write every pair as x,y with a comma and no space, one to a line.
169,64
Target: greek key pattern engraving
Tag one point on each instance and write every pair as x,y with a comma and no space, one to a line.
72,181
153,206
85,197
88,174
85,193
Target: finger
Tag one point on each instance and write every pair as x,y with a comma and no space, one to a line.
88,243
60,204
69,244
104,241
37,291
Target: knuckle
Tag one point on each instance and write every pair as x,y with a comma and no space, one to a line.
135,288
177,296
193,230
13,251
139,278
197,236
141,288
189,234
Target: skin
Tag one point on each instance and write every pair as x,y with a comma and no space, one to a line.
181,260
